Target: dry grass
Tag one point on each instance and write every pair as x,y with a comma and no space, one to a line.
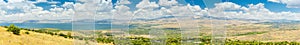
34,38
274,36
7,38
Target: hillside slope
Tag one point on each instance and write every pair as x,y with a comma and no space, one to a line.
34,38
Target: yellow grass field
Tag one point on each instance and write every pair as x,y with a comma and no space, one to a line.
34,38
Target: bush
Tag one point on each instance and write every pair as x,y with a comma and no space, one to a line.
69,35
5,26
55,33
63,35
51,33
105,40
173,41
26,32
14,29
140,41
39,31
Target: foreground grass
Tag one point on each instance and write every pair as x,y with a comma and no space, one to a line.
33,38
42,37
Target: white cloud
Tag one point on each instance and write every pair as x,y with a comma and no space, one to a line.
289,3
167,2
124,2
145,9
2,2
122,8
227,6
194,8
2,12
14,1
253,11
147,4
56,9
28,11
68,5
277,1
41,0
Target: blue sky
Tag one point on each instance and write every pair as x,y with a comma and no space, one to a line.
272,6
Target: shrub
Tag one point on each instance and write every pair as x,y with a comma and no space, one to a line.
140,41
39,31
69,35
14,29
5,26
51,33
105,40
55,33
63,35
173,41
108,34
26,32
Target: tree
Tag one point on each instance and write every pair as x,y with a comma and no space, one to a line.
14,29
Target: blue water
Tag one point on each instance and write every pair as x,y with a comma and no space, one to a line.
66,26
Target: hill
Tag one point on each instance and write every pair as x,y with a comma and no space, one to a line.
35,38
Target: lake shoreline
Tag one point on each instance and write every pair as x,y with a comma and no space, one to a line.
66,26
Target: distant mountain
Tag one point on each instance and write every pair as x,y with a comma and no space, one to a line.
224,18
47,21
163,17
281,21
106,21
31,21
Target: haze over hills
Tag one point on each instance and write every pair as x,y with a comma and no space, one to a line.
198,17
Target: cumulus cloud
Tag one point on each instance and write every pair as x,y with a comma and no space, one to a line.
289,3
167,2
41,0
277,1
2,12
14,1
253,11
124,2
147,4
21,11
103,9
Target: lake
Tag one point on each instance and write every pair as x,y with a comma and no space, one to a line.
66,26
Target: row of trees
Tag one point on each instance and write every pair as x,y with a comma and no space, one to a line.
51,33
204,41
238,42
15,30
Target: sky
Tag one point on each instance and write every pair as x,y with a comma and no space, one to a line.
18,11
